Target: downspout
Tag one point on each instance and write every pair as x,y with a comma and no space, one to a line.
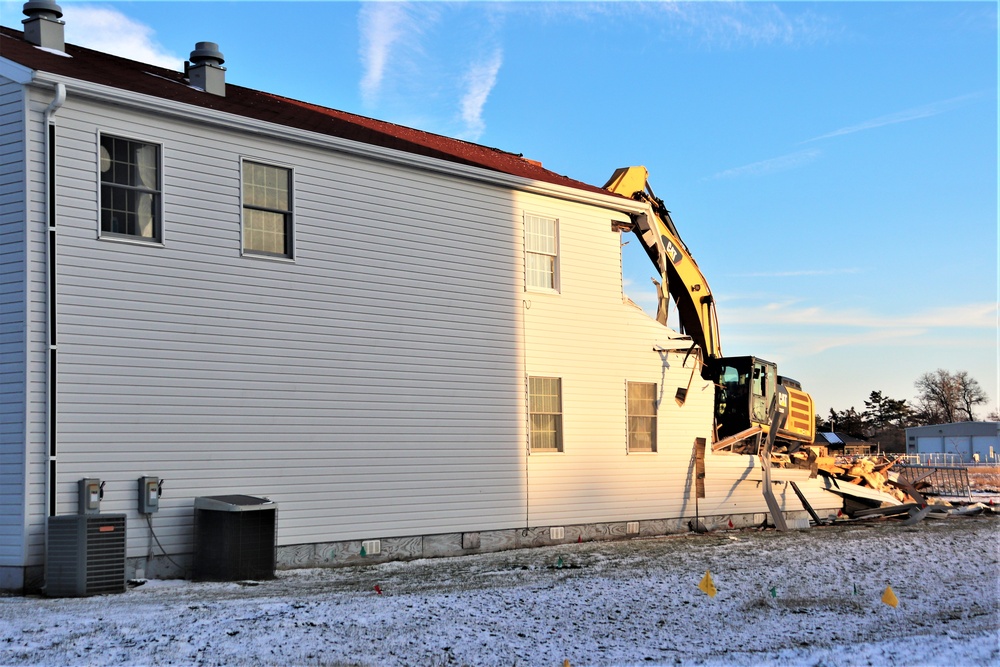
50,272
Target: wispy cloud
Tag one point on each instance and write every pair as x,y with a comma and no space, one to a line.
771,165
792,312
425,60
381,28
738,24
479,80
806,331
798,273
916,113
109,30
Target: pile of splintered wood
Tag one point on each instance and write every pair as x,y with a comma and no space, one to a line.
871,471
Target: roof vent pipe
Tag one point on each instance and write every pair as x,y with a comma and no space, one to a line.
43,27
206,71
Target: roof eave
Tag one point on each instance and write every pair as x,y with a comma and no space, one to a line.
112,95
16,72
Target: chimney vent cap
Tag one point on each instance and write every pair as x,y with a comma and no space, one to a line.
205,52
42,8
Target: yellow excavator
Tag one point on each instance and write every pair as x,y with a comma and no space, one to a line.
747,388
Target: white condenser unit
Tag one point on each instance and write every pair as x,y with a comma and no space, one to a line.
85,555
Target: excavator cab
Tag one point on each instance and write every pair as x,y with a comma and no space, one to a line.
746,387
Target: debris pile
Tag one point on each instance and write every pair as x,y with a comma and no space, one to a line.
875,472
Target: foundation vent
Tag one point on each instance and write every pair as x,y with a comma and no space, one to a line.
557,533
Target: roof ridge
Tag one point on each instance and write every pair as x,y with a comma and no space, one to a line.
143,78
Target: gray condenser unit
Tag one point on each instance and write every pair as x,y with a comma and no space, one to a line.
234,538
85,555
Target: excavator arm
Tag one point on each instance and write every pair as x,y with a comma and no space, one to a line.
736,410
679,273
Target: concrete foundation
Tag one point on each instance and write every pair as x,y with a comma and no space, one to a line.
349,553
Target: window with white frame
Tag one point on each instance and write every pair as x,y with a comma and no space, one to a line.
642,416
130,188
267,209
541,252
545,414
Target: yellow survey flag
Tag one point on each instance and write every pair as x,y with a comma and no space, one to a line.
889,597
707,584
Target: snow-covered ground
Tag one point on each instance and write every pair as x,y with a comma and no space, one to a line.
801,598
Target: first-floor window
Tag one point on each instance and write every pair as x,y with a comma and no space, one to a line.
545,414
642,416
267,209
130,188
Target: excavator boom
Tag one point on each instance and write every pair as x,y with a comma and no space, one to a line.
680,275
743,394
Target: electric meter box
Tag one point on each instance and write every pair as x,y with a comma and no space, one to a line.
149,495
90,495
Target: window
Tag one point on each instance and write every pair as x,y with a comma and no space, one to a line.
642,416
267,209
545,414
540,252
130,188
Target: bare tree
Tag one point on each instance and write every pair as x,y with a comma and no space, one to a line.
945,397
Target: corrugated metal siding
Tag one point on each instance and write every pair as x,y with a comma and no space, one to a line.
372,388
13,328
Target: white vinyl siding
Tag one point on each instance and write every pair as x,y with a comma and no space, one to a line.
596,342
375,386
541,256
13,324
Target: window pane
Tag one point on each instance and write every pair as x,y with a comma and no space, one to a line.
130,187
545,413
265,186
540,252
540,235
642,416
541,271
267,209
264,231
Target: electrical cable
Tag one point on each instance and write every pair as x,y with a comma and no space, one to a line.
149,521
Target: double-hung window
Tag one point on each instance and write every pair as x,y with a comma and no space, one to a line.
545,414
267,209
642,416
130,188
541,254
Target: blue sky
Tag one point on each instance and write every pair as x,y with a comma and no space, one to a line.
832,166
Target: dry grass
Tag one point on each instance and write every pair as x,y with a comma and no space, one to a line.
984,478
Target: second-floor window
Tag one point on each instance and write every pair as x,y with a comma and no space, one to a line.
130,188
541,253
267,209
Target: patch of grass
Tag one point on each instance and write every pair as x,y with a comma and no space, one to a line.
984,478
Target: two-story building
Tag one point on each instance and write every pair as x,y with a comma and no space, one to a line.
392,334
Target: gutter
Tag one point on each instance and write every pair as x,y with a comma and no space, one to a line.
50,329
182,111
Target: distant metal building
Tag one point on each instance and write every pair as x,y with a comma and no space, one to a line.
965,441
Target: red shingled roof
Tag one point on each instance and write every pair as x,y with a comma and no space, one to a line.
109,70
